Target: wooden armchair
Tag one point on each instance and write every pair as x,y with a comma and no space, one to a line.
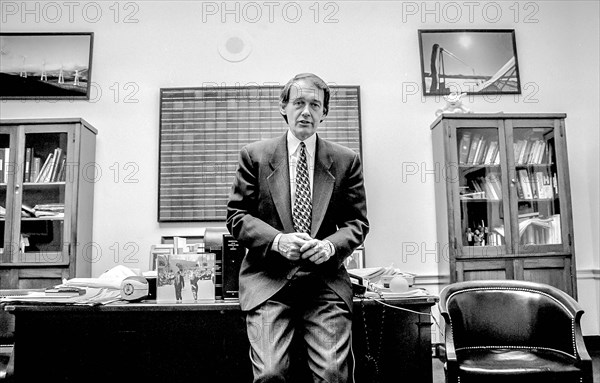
512,331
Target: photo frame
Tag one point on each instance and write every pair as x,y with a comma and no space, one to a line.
356,260
46,65
471,61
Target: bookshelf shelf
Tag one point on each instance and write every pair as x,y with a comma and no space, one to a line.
42,218
480,200
516,221
47,208
43,185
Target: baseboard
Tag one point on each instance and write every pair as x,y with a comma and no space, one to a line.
592,343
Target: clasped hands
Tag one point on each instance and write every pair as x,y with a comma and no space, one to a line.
297,246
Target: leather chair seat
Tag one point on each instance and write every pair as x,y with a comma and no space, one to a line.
530,363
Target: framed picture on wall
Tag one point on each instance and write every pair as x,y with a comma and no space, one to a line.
469,61
46,65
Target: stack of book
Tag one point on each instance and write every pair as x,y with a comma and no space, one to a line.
536,184
475,149
53,169
49,210
532,151
56,210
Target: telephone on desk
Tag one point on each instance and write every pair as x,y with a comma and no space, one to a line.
391,287
359,284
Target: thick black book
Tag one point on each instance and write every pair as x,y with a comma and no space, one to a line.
218,272
233,253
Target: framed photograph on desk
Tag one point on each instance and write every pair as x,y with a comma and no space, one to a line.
356,260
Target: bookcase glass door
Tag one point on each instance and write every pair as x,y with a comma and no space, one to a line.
537,186
481,197
4,150
44,175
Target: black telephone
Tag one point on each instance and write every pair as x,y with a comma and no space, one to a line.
359,286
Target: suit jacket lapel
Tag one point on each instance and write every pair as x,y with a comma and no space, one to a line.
323,186
279,184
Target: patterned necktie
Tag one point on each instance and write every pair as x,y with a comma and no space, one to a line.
302,204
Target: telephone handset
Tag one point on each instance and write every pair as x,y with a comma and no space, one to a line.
359,284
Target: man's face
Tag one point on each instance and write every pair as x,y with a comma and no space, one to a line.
304,109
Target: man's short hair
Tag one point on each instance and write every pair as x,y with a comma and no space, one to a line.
318,82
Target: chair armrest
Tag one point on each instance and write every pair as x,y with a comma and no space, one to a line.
584,361
450,360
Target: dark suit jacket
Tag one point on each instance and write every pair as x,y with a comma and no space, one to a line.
260,207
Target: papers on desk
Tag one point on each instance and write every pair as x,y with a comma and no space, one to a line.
92,297
388,294
110,279
98,291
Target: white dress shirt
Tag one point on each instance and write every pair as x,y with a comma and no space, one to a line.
293,149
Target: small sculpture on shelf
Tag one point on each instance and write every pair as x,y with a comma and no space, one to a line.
453,104
477,237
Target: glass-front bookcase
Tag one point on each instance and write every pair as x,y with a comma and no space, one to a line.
503,202
46,199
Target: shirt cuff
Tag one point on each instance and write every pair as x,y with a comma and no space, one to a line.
275,245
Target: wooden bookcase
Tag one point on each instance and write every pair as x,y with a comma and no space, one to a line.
46,220
503,198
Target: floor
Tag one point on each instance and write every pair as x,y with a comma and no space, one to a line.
438,368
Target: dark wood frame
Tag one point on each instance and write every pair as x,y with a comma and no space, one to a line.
437,55
45,91
552,263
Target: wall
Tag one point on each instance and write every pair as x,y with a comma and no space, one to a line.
141,47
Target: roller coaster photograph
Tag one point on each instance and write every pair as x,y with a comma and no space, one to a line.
469,61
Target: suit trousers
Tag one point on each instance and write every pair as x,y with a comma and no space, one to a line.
323,321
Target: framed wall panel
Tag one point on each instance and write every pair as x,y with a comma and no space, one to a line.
203,129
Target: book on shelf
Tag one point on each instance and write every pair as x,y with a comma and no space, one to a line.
491,153
61,174
58,157
35,168
544,185
463,147
2,181
523,180
39,211
53,168
475,141
495,184
28,160
489,187
538,230
4,164
476,149
27,211
44,169
531,152
473,195
479,152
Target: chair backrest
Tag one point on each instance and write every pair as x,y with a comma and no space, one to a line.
510,314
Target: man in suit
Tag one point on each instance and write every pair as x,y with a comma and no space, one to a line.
298,205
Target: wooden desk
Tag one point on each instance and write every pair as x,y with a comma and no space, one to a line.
203,342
